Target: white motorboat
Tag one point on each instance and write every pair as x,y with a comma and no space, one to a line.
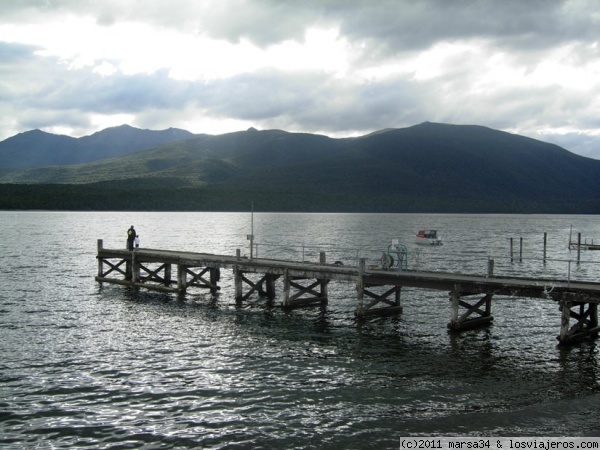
428,237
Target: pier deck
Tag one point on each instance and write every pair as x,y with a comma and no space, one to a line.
306,283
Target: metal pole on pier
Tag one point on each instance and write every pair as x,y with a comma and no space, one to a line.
250,237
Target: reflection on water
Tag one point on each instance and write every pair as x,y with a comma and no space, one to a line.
86,365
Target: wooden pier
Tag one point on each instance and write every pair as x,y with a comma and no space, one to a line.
378,291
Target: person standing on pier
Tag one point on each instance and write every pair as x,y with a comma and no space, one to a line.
131,234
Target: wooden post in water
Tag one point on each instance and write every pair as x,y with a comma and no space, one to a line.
545,240
511,250
270,282
167,274
490,268
398,302
521,249
578,247
286,287
135,268
324,283
455,299
181,278
215,276
237,278
100,262
360,287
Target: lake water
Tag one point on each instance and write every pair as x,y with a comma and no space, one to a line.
91,366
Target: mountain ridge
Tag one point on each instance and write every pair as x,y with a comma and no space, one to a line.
427,167
37,148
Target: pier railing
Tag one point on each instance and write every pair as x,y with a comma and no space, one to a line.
426,259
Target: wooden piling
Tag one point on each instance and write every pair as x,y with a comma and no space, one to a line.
360,288
100,246
286,288
545,241
324,283
511,250
490,268
181,278
520,249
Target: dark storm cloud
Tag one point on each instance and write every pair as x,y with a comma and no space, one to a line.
399,26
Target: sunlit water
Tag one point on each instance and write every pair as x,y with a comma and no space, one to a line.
91,366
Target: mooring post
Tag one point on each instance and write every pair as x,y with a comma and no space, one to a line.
511,250
521,249
490,268
578,247
360,287
545,240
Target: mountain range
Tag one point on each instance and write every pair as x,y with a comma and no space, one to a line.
430,167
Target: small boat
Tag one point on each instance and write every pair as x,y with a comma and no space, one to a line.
428,237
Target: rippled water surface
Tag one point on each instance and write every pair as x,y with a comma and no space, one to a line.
91,366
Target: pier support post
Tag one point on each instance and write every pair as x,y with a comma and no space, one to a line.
168,275
100,244
480,309
215,277
324,283
128,270
181,278
286,288
237,278
360,288
269,281
586,321
135,269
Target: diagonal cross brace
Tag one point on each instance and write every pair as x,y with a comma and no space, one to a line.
476,308
153,275
198,279
306,289
114,267
383,298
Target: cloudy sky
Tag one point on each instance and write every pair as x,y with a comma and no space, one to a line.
336,67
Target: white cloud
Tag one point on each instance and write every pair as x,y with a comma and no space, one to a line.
328,66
